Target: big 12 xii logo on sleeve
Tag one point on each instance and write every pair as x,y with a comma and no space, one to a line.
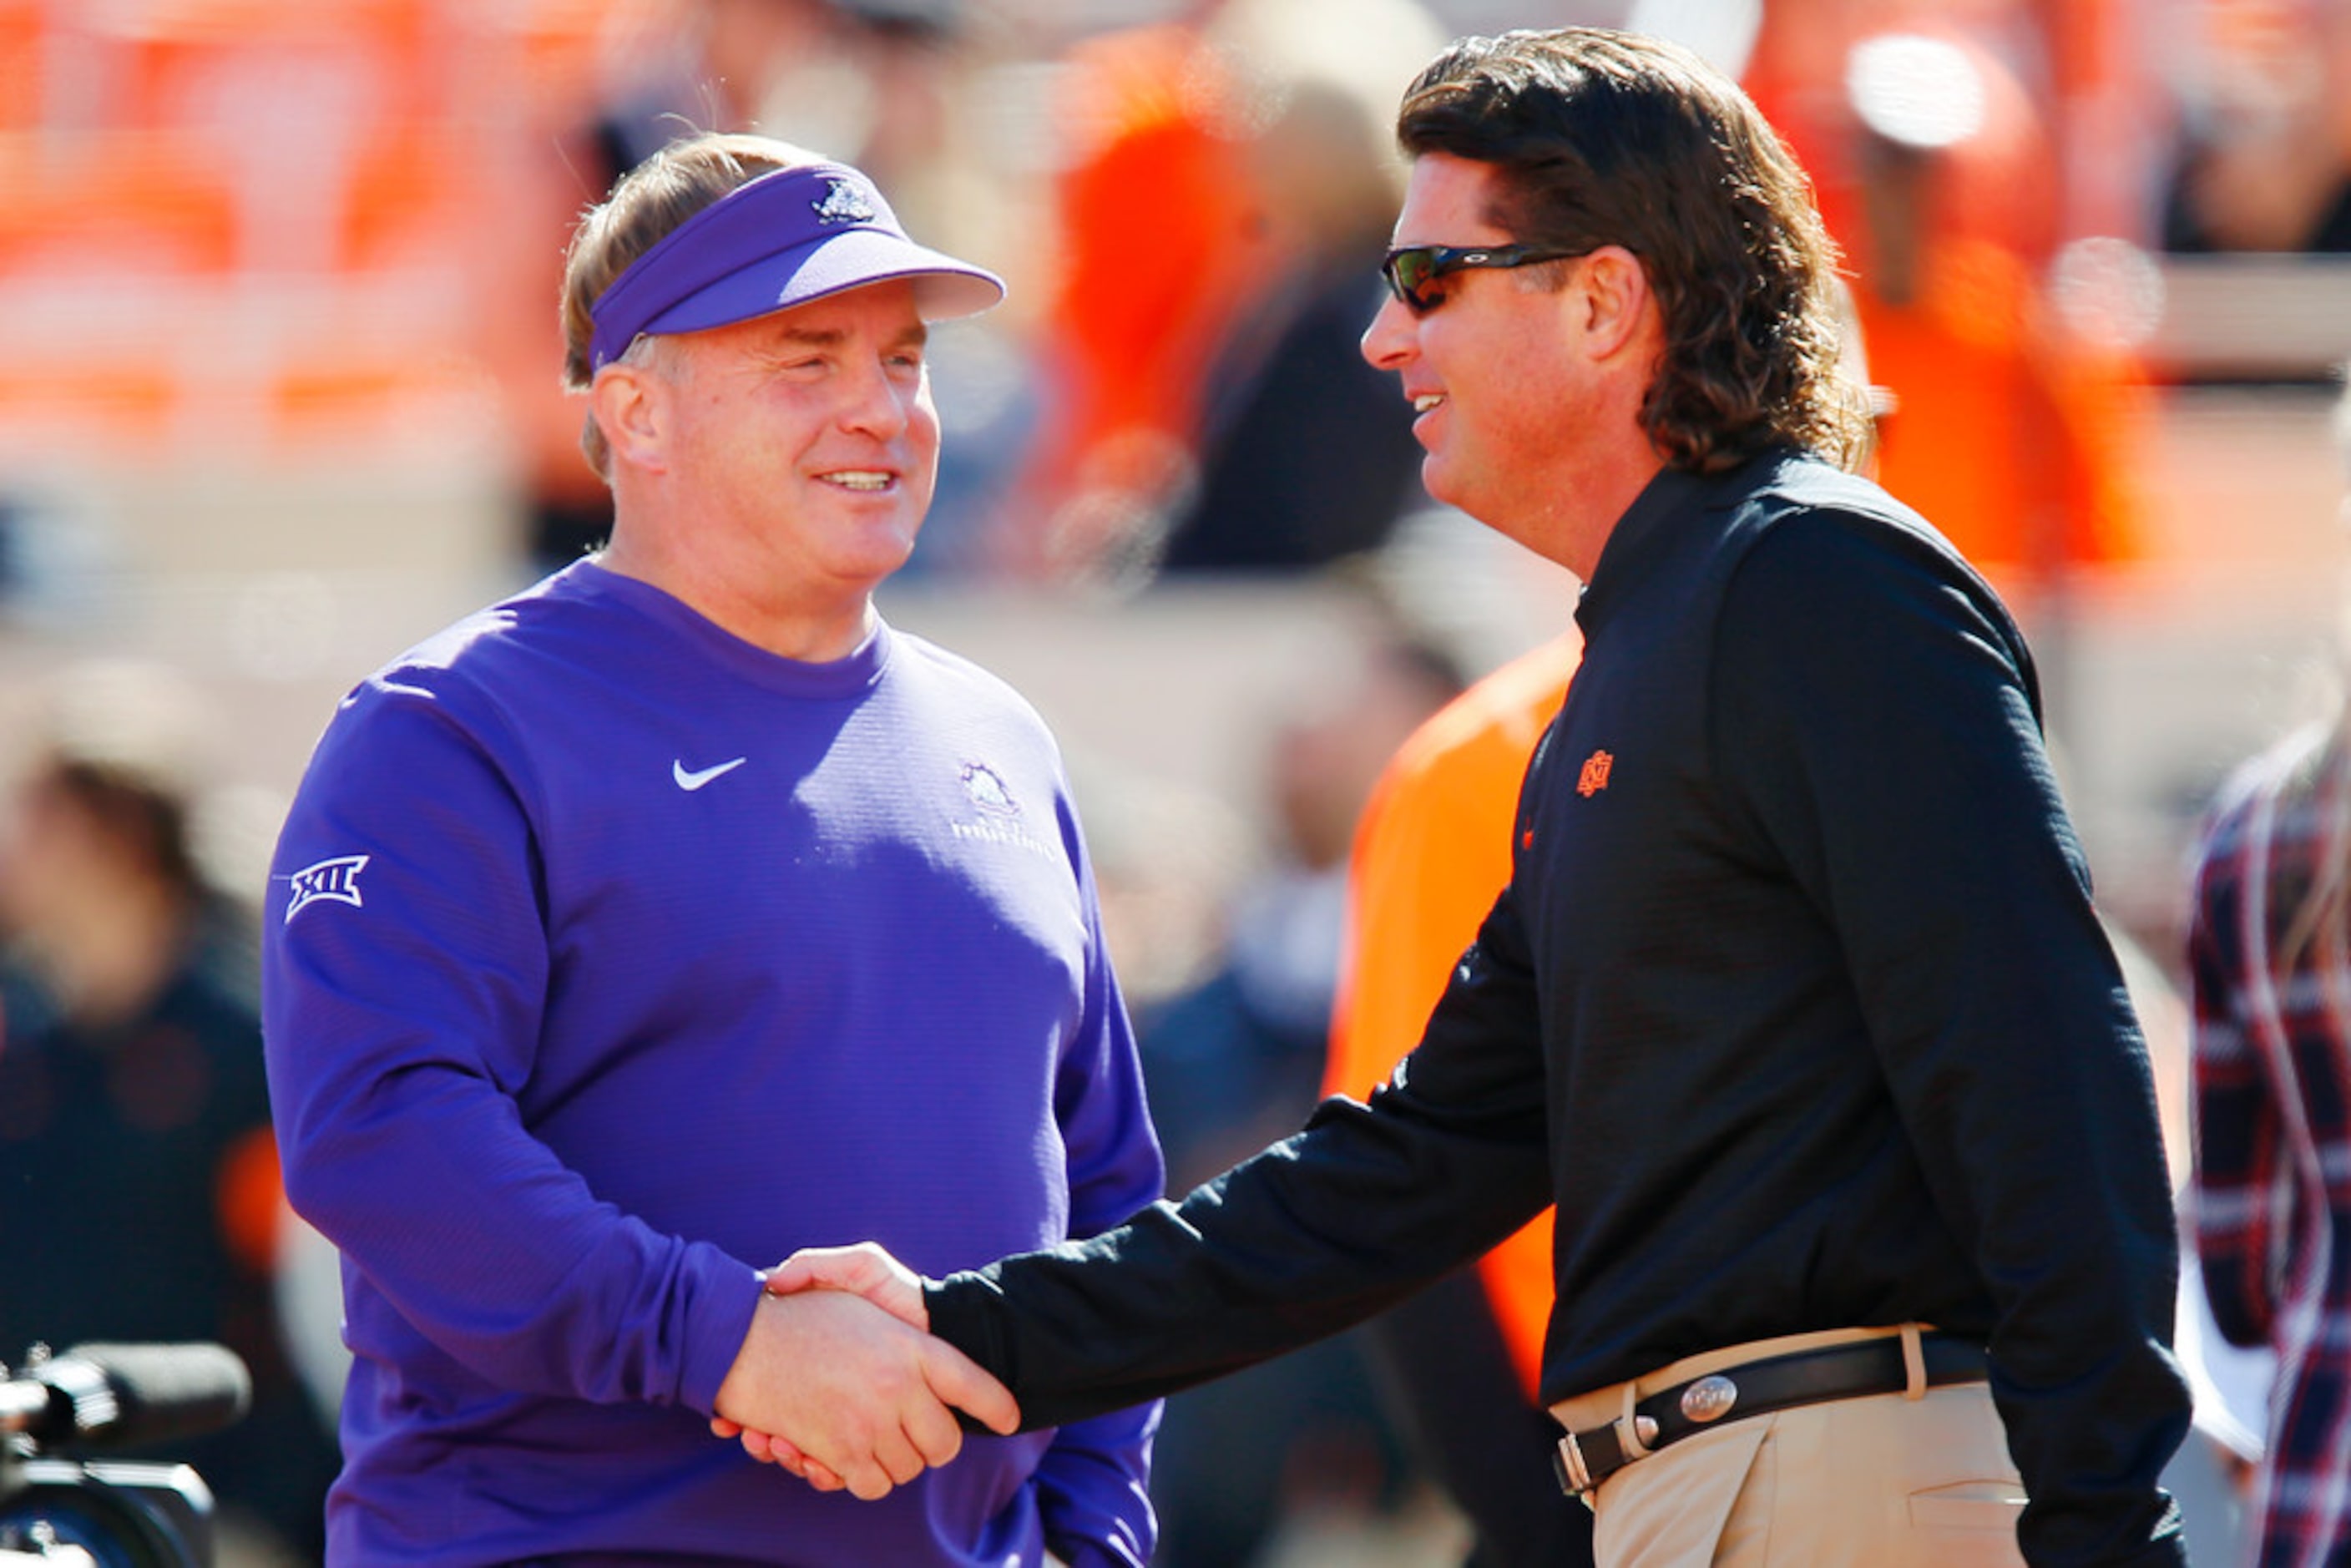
336,880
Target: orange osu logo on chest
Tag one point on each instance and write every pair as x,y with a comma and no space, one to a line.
1595,776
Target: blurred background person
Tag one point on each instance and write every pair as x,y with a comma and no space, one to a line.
1237,1060
1225,186
1306,454
142,1200
1153,235
2268,943
1942,175
2209,1476
2265,156
1458,1362
1238,1057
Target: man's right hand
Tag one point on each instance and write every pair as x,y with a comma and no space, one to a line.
866,1270
859,1393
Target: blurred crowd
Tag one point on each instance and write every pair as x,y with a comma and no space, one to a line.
268,231
274,226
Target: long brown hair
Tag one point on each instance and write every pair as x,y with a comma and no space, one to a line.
1607,138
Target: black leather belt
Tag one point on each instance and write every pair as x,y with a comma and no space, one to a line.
1584,1459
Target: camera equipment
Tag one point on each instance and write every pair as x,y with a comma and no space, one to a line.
112,1513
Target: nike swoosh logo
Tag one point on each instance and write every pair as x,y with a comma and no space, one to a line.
701,775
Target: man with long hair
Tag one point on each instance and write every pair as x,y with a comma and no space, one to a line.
1796,1004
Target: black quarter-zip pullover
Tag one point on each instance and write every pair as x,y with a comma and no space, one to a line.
1797,1006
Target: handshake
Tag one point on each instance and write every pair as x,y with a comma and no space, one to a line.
840,1382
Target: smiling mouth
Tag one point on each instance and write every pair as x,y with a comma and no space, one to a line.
1425,401
865,480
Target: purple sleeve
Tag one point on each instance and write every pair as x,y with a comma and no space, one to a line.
1094,1480
405,967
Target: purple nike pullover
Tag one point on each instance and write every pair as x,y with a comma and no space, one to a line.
608,958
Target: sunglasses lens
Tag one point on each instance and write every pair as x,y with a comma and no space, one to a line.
1410,272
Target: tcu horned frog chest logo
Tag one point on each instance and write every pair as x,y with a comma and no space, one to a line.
997,818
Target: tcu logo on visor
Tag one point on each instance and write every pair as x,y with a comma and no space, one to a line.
843,204
337,879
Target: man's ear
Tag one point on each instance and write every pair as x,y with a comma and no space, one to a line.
631,405
1618,302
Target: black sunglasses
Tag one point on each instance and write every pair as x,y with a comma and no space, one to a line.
1410,269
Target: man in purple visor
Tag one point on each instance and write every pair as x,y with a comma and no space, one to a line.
677,914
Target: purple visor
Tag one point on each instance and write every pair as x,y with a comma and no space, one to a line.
781,240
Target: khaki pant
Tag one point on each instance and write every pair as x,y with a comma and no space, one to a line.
1886,1481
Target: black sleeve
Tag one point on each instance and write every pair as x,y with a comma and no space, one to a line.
1874,713
1446,1375
1308,1237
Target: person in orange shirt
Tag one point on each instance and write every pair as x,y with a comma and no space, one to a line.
1160,232
1943,177
1431,852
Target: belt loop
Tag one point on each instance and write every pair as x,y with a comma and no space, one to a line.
1574,1475
1628,1424
1914,1365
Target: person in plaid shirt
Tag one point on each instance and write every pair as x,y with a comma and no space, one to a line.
2268,948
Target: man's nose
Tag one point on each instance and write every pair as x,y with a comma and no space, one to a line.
876,402
1387,342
